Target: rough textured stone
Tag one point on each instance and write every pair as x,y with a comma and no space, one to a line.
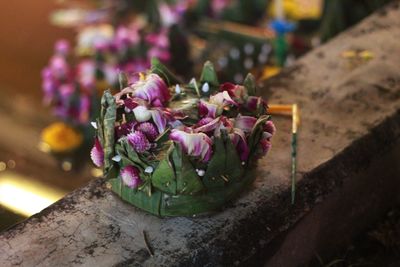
350,131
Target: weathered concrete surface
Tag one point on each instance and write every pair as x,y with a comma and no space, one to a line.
348,147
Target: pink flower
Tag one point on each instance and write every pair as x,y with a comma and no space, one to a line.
59,67
193,144
97,153
269,127
62,47
238,139
138,141
214,107
265,142
153,89
130,176
245,123
124,129
149,130
86,71
126,36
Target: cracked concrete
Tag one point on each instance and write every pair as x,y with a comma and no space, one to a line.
348,146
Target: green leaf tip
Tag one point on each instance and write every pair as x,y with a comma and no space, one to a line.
160,69
209,75
250,84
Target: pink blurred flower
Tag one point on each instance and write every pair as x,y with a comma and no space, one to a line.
86,71
130,176
62,47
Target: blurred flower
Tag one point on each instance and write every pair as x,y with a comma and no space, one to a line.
97,153
193,144
61,137
62,47
130,176
86,71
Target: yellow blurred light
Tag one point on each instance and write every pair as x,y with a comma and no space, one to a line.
25,196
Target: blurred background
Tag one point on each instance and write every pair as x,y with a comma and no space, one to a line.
58,56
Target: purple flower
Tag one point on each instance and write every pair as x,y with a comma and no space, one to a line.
149,130
138,141
130,176
265,142
84,109
207,110
215,105
126,36
153,88
159,119
245,123
124,129
59,67
193,144
86,71
269,127
238,139
62,47
97,153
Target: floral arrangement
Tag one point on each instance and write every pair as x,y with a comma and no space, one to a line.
74,79
176,149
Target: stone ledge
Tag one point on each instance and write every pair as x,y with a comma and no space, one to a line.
349,135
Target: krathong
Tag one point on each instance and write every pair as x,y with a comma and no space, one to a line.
186,151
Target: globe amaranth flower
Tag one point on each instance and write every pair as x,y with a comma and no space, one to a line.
193,144
149,130
152,89
131,176
97,153
138,141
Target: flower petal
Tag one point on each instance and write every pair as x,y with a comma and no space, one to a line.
193,144
130,176
97,153
245,123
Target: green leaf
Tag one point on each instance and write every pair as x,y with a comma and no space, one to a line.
108,116
209,75
140,199
188,182
250,84
163,177
233,165
256,133
158,68
216,166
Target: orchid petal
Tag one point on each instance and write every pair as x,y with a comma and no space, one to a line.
194,144
159,119
152,88
245,123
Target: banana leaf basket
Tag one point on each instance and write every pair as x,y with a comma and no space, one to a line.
175,149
